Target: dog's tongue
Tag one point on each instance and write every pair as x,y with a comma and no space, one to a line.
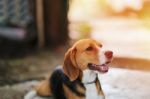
101,68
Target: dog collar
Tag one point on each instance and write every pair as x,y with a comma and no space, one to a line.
90,82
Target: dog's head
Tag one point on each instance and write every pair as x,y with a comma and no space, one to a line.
85,55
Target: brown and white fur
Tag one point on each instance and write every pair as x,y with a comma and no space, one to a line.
78,77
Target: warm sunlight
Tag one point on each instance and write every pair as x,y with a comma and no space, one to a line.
74,49
121,5
118,23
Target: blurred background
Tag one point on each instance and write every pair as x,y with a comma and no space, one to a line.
35,34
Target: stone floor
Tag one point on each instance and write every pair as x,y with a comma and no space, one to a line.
126,84
121,84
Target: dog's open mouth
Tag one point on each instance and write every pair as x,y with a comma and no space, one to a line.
101,68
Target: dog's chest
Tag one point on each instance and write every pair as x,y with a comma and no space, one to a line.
91,91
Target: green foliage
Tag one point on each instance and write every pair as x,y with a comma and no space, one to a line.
84,30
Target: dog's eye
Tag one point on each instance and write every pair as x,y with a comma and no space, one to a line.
100,45
89,48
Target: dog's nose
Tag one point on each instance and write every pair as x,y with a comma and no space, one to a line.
109,54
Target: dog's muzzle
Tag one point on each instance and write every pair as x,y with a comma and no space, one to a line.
100,68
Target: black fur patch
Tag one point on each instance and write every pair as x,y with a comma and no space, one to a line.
58,79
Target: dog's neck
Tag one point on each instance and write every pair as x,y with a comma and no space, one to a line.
89,80
89,77
92,82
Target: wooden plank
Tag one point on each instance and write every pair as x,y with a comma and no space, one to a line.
56,22
40,23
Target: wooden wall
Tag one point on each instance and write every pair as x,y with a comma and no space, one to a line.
55,22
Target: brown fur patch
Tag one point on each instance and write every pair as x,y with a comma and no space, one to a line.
71,95
80,89
70,66
43,89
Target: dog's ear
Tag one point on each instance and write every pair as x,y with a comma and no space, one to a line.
70,66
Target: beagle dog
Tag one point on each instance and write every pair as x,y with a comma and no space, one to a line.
78,77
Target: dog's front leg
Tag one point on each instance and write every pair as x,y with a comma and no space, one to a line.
99,90
101,97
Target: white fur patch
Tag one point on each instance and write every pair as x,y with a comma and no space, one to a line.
30,95
102,57
88,76
33,95
91,90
